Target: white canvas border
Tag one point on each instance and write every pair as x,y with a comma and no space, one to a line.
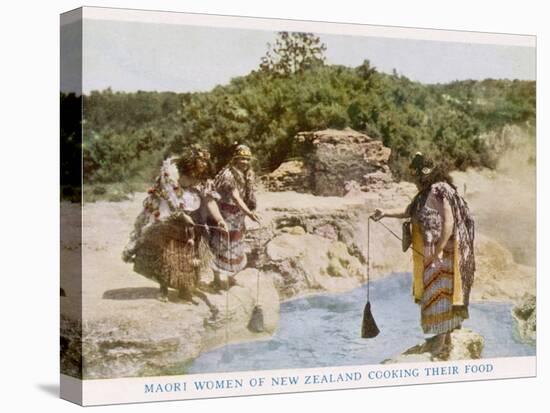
247,383
256,23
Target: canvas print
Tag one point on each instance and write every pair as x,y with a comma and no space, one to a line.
256,206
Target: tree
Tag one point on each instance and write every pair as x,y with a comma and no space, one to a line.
293,52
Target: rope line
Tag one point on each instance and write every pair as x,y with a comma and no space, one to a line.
368,259
258,274
398,237
227,291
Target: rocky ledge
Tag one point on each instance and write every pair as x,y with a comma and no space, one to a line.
130,333
464,345
525,315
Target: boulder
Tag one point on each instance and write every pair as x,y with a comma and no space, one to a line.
303,264
352,188
465,345
335,162
334,157
525,315
289,176
377,180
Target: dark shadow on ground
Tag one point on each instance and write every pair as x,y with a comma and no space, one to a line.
141,293
138,293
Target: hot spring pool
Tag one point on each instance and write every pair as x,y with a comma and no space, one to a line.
324,330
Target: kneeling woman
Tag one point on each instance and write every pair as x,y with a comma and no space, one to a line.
168,242
443,250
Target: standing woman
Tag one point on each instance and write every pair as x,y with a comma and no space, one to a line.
166,243
235,184
443,250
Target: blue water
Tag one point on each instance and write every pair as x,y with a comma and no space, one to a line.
324,330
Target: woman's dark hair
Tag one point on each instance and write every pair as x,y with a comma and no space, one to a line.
427,172
187,162
439,173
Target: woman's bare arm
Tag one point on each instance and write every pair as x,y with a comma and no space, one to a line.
242,205
447,225
391,213
214,211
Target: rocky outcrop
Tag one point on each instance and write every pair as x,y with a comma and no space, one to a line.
289,176
525,315
307,263
318,244
334,162
130,336
377,181
334,157
464,345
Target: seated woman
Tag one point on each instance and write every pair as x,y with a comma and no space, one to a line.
168,243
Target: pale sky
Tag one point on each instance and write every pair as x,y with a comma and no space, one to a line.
130,56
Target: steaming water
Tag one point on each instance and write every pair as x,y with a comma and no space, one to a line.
324,330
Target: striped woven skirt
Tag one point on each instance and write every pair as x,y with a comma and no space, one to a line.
229,250
438,315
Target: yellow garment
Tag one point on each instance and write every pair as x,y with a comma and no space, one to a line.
418,262
418,268
458,297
